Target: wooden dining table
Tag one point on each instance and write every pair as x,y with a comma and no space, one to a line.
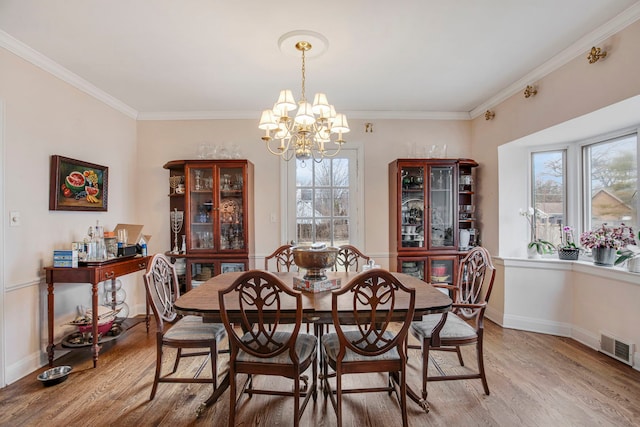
203,301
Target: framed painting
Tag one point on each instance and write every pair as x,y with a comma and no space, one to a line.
77,186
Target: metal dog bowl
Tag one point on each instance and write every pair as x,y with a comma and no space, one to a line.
54,375
315,260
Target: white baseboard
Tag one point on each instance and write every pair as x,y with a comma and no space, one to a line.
551,328
537,325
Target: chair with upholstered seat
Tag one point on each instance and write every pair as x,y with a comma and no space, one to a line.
350,258
375,298
464,325
282,258
261,304
189,332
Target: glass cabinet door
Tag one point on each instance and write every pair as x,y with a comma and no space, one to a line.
230,219
201,208
442,269
442,204
200,272
413,267
413,207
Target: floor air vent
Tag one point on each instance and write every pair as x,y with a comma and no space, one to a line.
616,348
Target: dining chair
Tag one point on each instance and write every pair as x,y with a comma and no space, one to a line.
350,258
282,258
374,299
464,325
188,332
264,308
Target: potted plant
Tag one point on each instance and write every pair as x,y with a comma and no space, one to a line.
630,254
536,247
605,241
567,248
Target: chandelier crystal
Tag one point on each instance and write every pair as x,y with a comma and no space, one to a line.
308,134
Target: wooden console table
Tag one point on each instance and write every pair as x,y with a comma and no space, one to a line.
92,273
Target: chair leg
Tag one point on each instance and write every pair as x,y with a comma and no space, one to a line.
403,396
339,395
175,365
232,397
214,365
156,378
425,366
459,355
483,376
314,383
296,400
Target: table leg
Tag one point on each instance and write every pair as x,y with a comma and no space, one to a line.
222,387
50,304
412,394
95,348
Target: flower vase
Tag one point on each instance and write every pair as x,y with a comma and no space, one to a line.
532,252
633,264
604,256
570,254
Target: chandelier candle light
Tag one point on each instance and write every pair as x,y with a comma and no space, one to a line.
306,135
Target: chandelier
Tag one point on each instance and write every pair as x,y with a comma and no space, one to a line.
309,134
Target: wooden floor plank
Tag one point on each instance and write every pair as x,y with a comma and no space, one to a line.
535,380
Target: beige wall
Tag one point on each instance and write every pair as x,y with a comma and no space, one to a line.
573,90
45,116
161,141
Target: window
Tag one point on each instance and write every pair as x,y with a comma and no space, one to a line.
611,182
326,201
608,170
548,176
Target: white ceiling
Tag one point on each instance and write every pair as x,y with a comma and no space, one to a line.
217,58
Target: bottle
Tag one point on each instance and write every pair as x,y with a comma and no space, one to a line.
143,247
101,247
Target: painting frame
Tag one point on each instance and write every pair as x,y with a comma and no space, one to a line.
67,193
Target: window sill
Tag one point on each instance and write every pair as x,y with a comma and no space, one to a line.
583,265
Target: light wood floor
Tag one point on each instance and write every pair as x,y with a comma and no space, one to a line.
535,380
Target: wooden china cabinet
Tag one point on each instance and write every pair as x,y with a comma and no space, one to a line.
432,216
216,198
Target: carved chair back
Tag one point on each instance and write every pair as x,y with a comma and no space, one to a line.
350,258
161,282
282,258
264,304
476,274
372,299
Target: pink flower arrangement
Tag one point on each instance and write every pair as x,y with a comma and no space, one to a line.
608,237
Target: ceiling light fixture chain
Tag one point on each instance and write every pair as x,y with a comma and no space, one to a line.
306,135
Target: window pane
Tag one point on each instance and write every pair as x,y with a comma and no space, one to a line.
341,202
340,232
613,181
304,174
549,171
323,203
322,173
323,230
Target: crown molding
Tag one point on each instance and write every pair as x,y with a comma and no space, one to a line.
36,58
199,115
580,47
255,115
